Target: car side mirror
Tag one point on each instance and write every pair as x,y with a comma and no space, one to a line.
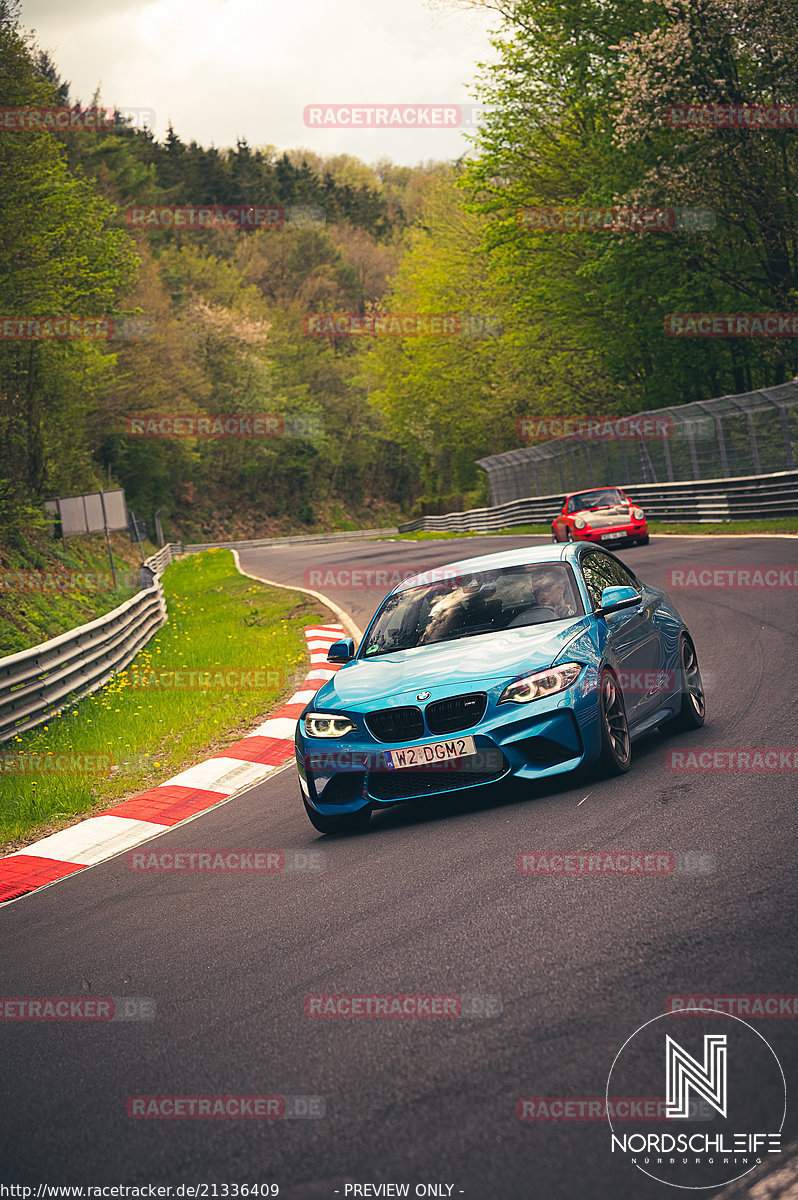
613,599
341,652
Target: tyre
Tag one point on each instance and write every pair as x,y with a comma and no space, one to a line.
644,540
616,746
346,823
692,713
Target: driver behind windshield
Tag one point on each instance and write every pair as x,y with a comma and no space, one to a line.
466,605
550,593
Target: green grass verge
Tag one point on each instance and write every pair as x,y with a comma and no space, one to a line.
46,591
715,529
719,528
155,718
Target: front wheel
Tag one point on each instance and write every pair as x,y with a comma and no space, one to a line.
616,745
346,823
692,713
643,541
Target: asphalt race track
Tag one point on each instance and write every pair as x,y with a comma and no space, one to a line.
427,901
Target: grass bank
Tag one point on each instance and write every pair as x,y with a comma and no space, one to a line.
46,590
672,528
231,651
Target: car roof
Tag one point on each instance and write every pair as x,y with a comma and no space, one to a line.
524,555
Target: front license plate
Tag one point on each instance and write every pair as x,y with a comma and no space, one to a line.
605,537
433,752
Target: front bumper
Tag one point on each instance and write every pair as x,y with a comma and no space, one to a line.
608,535
544,738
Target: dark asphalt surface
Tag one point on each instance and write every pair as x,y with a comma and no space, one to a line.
428,900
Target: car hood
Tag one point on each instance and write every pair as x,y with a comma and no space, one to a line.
449,668
619,514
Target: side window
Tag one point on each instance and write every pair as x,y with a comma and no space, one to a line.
601,571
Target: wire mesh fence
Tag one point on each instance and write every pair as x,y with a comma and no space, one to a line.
727,437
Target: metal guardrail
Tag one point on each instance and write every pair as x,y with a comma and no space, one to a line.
352,535
39,682
752,497
157,563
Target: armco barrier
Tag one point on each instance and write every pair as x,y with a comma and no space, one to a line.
751,497
39,682
353,535
36,683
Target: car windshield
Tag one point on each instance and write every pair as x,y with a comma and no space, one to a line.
600,498
471,604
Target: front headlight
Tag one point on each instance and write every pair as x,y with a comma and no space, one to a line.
580,522
638,514
541,683
327,725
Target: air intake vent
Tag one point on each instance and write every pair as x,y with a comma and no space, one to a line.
396,724
408,785
458,712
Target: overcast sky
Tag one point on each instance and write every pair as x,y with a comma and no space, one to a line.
223,69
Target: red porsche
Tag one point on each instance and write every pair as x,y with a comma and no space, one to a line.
603,515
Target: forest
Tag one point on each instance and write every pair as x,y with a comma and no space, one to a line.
383,326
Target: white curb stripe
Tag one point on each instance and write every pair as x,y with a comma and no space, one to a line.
223,775
93,840
277,727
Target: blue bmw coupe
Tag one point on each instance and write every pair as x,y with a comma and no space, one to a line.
528,663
